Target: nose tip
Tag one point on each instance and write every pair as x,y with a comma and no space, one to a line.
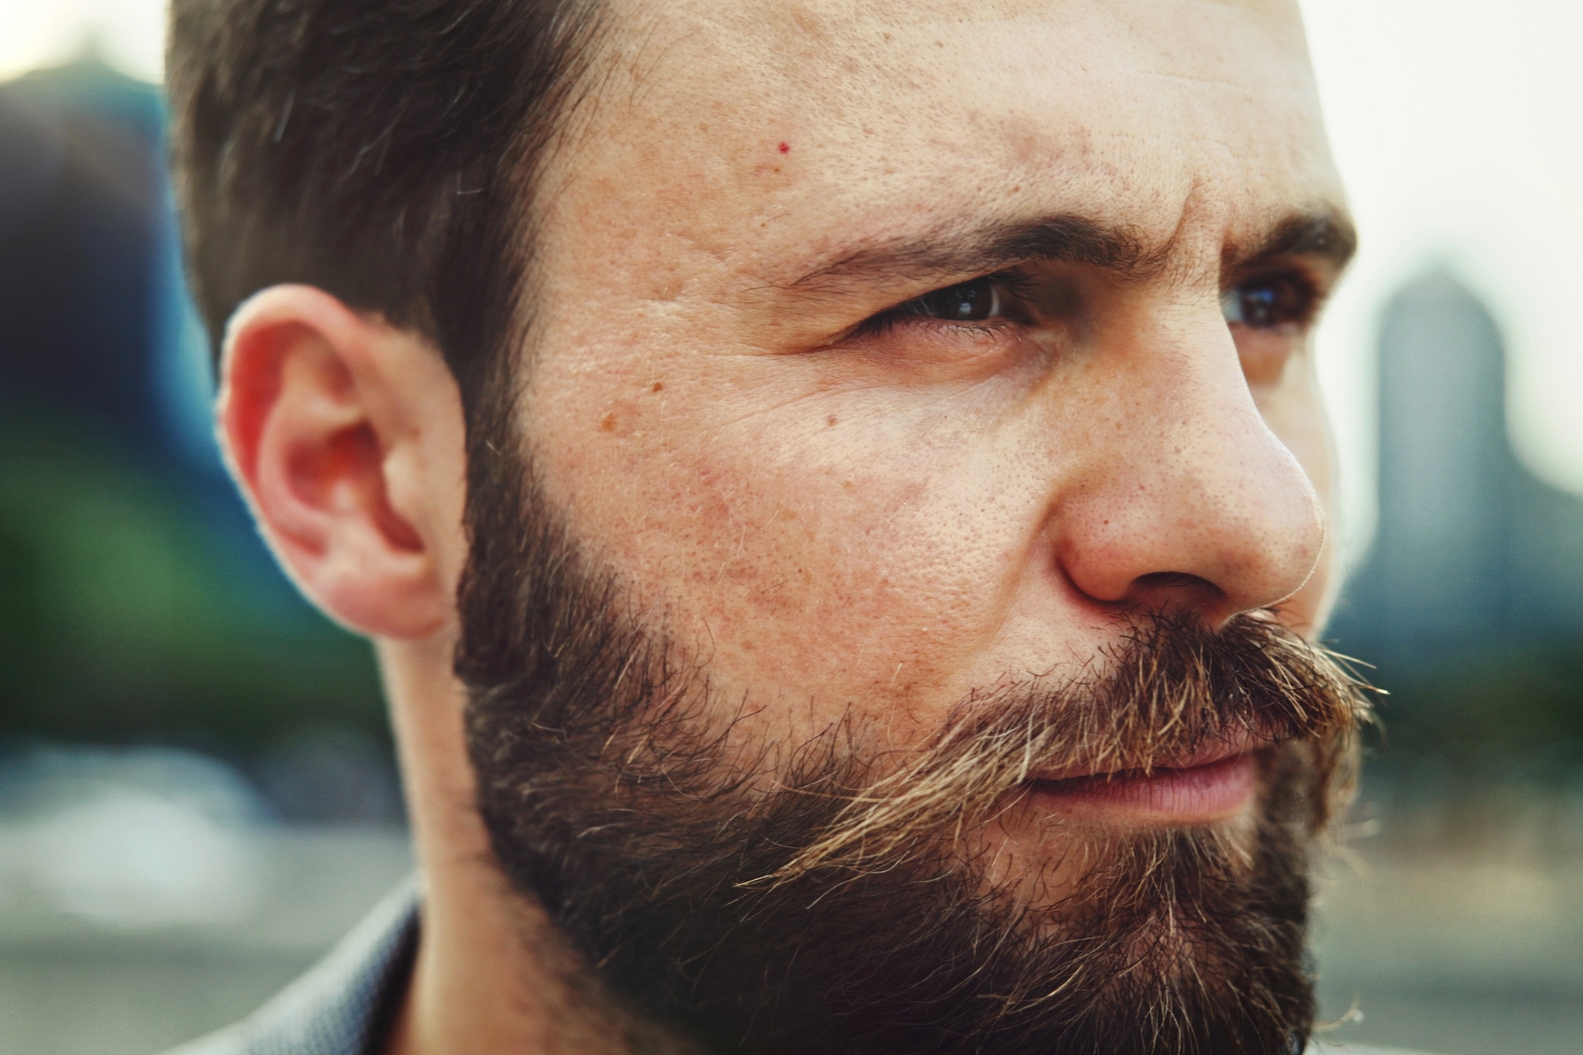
1210,513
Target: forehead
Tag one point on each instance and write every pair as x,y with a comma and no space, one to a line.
722,123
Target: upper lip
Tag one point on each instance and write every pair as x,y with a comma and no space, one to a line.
1216,749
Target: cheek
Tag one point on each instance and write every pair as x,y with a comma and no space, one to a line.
808,550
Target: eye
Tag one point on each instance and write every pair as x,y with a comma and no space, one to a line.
1269,302
972,301
990,306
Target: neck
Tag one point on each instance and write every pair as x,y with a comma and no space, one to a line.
493,974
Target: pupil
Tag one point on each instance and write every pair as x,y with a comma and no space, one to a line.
1259,306
967,303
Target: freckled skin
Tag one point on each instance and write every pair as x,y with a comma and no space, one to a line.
888,526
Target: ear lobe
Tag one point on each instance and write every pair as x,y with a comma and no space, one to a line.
314,414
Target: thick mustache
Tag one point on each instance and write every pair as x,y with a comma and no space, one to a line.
1171,690
1169,693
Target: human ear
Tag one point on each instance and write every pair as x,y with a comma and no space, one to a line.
345,435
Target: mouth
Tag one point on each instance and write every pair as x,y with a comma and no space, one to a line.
1213,785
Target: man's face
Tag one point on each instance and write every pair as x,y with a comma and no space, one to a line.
843,508
891,359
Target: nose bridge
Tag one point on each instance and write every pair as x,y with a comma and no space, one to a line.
1192,500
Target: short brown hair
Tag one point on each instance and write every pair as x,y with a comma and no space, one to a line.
382,150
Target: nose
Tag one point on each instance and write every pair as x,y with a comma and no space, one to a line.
1187,501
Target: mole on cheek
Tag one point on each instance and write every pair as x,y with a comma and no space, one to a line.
607,423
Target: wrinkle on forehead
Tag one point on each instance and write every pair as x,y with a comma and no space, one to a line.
933,76
781,35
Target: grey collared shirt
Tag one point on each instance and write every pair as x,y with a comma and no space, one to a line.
345,1004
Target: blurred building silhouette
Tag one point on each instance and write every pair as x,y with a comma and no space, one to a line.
1471,551
79,188
137,603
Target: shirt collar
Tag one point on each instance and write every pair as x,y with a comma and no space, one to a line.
345,1004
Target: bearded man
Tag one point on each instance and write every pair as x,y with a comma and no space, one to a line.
838,492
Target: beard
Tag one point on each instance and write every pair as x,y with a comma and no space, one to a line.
841,895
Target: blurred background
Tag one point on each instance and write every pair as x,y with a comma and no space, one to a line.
196,787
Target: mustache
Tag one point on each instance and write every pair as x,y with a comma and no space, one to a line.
1169,689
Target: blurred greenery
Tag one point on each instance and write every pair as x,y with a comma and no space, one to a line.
1500,712
126,615
1513,702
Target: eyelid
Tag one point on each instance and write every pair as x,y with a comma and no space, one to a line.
1280,267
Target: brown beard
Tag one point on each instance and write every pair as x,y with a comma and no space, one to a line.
818,899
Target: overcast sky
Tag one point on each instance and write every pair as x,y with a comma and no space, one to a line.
1456,126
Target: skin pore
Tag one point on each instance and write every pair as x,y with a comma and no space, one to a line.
884,353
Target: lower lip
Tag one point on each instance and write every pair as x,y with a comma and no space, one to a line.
1196,795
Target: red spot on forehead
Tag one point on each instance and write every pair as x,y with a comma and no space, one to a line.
785,148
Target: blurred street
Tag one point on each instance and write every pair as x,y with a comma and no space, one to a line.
1459,954
76,986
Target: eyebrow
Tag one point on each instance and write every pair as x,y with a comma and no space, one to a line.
952,252
1322,232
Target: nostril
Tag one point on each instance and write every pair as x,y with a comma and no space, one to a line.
1174,580
1174,591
